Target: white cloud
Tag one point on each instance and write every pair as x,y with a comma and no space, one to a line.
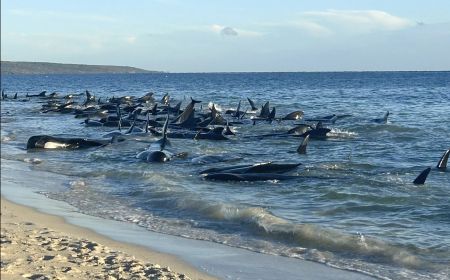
361,21
312,28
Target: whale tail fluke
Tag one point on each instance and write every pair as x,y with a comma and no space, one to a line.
420,180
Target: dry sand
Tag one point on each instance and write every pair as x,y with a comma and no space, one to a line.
41,246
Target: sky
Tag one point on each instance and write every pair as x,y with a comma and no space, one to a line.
231,35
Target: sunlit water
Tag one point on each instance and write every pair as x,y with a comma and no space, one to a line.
353,205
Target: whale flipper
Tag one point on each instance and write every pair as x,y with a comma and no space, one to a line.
442,164
420,180
302,148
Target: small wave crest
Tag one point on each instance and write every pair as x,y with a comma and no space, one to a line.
264,224
77,184
341,133
32,160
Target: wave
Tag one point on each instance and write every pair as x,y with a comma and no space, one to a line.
341,133
260,222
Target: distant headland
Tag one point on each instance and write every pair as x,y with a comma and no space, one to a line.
22,67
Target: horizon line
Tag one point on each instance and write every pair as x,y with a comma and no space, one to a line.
227,72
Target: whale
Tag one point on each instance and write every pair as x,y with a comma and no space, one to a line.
51,142
214,134
165,99
268,117
249,177
228,130
236,113
187,118
316,133
264,167
296,115
41,94
157,152
214,158
326,119
148,97
383,119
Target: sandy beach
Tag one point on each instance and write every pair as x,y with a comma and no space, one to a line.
41,246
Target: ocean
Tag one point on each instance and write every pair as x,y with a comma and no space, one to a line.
352,205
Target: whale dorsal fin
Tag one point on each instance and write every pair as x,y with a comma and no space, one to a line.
252,104
420,180
237,110
385,117
264,110
302,147
442,164
154,109
164,140
272,114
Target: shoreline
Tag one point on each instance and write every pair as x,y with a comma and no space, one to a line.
206,258
34,243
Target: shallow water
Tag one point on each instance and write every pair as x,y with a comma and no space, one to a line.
353,205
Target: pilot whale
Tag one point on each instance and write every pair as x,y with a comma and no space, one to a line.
157,152
51,142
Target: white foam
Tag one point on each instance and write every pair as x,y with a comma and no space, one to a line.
77,184
341,133
32,160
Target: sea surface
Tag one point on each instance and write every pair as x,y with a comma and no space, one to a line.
352,206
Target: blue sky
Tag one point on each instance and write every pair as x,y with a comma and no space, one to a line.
210,36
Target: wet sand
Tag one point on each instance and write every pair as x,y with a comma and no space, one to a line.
41,246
